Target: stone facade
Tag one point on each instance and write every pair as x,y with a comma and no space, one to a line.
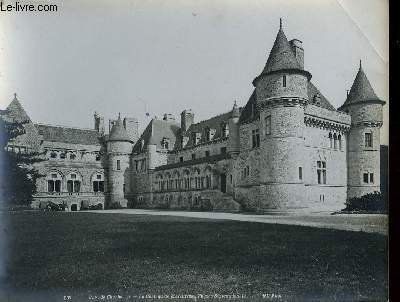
287,149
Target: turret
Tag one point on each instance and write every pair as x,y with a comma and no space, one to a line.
363,147
99,123
234,142
281,94
187,119
119,148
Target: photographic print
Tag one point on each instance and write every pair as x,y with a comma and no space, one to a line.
194,150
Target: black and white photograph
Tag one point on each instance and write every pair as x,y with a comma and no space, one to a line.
194,150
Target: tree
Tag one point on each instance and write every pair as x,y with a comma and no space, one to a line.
17,173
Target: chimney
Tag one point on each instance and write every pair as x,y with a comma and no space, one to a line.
187,119
297,47
168,117
98,123
131,126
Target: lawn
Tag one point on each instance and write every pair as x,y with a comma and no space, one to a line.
89,254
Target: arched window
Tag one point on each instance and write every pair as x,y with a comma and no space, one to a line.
335,144
186,177
330,140
340,141
208,173
74,181
98,182
54,180
53,154
284,81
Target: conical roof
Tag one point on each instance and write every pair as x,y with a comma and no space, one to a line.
282,57
235,111
118,132
361,90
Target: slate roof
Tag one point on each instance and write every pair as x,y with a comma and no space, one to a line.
361,90
281,55
321,100
15,112
118,132
215,122
68,135
154,133
250,111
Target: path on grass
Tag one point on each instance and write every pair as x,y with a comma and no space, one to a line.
370,223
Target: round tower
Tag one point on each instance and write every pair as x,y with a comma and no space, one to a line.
234,143
363,146
282,92
119,148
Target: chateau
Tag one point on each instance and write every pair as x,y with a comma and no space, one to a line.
287,149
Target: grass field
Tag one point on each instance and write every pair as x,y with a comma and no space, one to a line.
78,252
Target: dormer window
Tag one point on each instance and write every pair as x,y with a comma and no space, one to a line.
196,138
209,134
165,143
225,130
284,81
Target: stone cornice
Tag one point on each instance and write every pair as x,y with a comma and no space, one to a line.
371,124
313,121
280,101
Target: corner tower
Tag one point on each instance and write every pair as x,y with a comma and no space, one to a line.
282,93
119,148
363,147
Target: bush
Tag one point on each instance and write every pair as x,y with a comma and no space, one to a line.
371,202
51,206
115,205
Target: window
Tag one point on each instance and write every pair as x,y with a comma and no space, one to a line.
207,153
73,186
97,157
268,125
335,144
136,165
368,139
231,178
321,172
54,186
181,159
340,141
118,164
284,81
72,156
368,177
98,183
300,173
193,156
62,155
208,134
255,138
124,188
53,154
330,140
143,165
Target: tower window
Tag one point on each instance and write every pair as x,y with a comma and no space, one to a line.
330,140
268,125
193,156
335,142
300,173
321,172
284,81
340,141
365,177
371,177
181,159
255,138
368,139
368,177
118,164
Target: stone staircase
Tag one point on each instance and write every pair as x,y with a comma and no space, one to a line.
221,202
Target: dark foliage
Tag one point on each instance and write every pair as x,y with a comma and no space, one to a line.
51,206
98,206
115,205
17,175
372,202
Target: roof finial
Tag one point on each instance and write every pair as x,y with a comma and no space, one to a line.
119,115
234,104
280,23
15,96
360,64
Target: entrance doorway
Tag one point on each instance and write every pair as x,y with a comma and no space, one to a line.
74,207
223,183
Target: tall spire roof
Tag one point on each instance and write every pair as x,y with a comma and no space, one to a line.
118,132
361,90
281,55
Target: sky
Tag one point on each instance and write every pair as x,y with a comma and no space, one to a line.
164,56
